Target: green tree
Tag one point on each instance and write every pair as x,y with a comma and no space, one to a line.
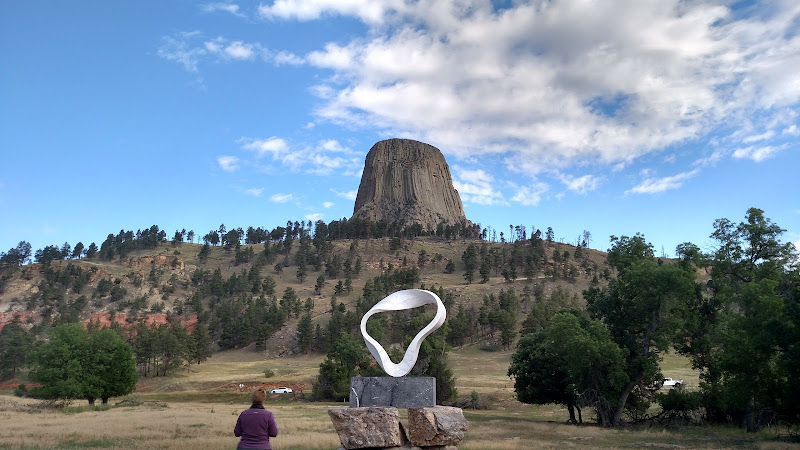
346,359
305,333
15,343
319,285
59,364
643,309
200,343
73,364
18,255
743,337
470,259
110,366
204,252
572,357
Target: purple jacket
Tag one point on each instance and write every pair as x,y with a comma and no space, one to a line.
255,425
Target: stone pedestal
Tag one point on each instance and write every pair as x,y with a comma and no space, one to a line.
437,428
442,425
403,392
367,427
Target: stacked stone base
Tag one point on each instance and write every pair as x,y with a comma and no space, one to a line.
379,427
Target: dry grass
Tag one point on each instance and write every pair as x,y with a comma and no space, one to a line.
173,426
199,409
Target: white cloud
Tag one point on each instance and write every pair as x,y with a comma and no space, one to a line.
223,49
287,58
712,159
225,7
582,184
477,186
328,205
191,48
656,185
228,163
325,158
239,50
350,195
274,146
757,154
314,217
367,10
255,192
176,48
548,84
792,130
530,195
759,137
281,198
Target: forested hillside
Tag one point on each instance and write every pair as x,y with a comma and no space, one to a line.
588,328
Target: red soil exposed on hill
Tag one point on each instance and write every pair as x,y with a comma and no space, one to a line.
104,319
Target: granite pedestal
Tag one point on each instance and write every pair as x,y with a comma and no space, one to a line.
403,392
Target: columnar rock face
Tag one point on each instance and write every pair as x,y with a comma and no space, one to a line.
409,182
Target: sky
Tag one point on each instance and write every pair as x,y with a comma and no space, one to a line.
613,117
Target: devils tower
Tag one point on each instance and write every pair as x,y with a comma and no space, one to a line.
408,182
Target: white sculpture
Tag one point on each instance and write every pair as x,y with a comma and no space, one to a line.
399,301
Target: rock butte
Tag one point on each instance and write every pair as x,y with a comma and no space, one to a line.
408,182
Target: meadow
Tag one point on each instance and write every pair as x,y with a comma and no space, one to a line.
198,409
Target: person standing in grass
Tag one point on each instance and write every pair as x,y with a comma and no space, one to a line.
256,425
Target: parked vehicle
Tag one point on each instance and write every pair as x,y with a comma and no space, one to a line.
281,390
669,382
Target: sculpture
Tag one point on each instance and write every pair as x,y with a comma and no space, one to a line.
399,301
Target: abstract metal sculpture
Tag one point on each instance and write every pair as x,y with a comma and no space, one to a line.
399,301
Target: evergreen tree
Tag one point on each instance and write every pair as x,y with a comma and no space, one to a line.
15,343
305,330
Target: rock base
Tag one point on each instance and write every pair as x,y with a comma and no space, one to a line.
402,392
437,428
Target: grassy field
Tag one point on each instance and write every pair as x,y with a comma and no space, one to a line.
198,409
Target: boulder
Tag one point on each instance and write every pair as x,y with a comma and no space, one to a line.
368,427
407,182
440,425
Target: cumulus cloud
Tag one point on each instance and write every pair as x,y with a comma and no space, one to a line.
656,185
530,195
287,58
548,84
228,163
190,49
367,10
757,153
324,158
582,184
314,217
349,195
229,8
255,192
222,48
281,198
328,205
477,186
274,146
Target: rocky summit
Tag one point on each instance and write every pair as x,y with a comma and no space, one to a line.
407,182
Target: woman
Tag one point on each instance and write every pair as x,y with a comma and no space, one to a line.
255,425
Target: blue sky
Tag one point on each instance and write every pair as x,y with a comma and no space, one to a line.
651,116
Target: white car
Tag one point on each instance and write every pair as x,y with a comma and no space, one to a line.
281,390
669,382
